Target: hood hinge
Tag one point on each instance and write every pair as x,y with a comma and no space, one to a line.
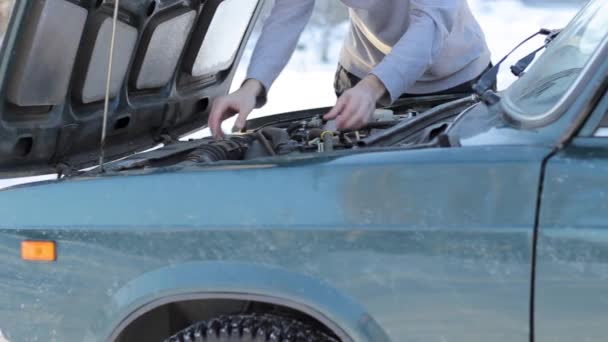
166,138
65,170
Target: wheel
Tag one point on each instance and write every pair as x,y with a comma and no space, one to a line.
251,328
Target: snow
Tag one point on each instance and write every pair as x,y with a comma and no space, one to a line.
307,82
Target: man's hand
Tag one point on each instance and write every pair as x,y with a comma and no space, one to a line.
242,101
356,106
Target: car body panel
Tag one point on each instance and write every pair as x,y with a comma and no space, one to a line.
572,260
378,228
570,293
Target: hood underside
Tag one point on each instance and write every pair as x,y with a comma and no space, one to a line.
171,58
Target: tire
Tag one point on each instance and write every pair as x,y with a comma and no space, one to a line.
251,328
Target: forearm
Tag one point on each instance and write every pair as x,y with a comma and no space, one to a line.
278,40
374,86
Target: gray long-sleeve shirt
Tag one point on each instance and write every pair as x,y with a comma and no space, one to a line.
412,46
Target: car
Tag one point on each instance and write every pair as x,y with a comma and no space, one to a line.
448,218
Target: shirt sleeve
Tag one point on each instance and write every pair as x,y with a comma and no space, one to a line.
431,22
278,40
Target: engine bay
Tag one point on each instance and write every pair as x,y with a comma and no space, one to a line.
413,123
316,135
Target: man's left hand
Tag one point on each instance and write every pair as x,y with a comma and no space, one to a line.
356,106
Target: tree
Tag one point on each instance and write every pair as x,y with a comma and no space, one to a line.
326,16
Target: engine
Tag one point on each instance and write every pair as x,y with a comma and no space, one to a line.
311,135
305,133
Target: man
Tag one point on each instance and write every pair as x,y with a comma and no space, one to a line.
394,48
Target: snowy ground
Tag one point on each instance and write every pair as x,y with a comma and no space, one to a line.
308,83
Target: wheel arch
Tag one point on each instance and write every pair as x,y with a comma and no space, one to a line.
341,314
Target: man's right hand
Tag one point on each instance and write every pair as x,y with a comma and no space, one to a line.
242,101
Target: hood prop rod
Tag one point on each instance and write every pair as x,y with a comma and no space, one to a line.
106,107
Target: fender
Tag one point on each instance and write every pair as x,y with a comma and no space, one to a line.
241,281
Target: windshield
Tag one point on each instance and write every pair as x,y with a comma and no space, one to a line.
550,78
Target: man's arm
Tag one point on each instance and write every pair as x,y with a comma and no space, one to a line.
278,40
431,21
275,46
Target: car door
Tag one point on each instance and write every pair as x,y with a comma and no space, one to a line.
571,300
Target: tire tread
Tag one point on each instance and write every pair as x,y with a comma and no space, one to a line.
251,328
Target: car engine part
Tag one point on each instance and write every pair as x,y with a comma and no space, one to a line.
306,133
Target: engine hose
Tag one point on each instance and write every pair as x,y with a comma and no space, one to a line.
278,140
294,126
233,148
265,143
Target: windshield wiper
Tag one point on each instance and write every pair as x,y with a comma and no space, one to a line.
520,67
484,86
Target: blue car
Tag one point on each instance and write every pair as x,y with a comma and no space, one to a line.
449,218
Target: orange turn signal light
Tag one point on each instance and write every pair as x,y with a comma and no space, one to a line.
38,250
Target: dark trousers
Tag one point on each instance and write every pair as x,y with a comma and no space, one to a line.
344,80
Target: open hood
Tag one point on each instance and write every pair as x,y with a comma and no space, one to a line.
171,58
